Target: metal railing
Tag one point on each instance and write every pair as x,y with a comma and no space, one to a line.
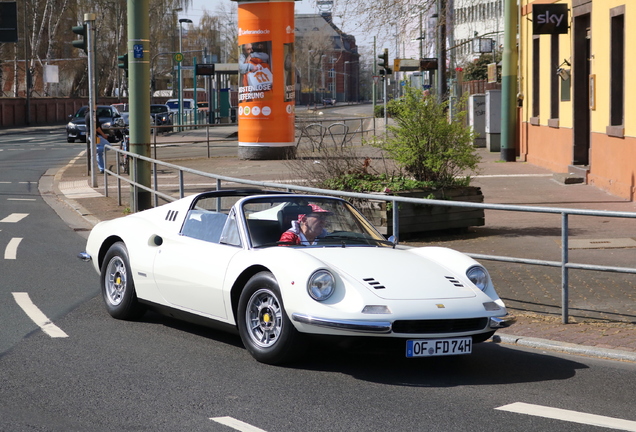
563,264
338,133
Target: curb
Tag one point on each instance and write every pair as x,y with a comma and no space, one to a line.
566,347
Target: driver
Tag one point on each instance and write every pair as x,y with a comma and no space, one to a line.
308,228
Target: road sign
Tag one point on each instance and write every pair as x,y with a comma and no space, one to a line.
138,51
406,65
178,57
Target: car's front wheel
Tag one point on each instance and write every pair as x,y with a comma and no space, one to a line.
265,329
118,288
71,140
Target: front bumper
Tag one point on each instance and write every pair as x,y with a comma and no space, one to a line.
381,327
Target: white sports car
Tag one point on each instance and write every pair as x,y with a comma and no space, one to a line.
247,260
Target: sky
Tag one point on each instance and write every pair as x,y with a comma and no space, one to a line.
198,6
302,7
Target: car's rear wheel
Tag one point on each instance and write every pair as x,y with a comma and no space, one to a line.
265,329
118,288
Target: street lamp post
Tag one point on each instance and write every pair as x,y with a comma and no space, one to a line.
322,70
181,21
346,78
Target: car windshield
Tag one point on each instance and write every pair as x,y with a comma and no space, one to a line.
173,104
284,221
81,112
157,109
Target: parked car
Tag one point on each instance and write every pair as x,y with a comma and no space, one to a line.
161,116
76,127
188,105
217,257
328,101
124,110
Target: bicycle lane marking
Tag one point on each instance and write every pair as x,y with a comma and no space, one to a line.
24,301
569,416
11,251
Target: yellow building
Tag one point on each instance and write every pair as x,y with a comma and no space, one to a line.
578,110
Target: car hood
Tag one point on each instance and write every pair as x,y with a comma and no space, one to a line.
394,274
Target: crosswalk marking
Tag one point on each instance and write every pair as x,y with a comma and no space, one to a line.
24,301
236,424
569,416
14,217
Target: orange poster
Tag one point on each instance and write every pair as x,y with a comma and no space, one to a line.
266,79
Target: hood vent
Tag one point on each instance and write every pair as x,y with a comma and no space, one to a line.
454,281
374,283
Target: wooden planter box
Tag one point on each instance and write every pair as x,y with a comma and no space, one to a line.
418,219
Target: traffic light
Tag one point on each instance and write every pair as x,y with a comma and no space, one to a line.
123,62
81,43
385,59
386,70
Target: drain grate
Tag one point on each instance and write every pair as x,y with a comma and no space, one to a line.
602,243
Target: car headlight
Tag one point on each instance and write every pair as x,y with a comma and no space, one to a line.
106,125
479,276
321,285
71,126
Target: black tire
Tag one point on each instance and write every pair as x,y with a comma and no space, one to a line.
118,287
266,331
70,140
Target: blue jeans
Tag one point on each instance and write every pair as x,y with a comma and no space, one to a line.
100,156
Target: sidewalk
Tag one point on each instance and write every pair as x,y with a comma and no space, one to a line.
602,310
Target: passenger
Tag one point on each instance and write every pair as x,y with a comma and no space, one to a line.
308,228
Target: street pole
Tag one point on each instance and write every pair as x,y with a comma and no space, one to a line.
441,50
89,18
386,119
509,83
374,87
139,83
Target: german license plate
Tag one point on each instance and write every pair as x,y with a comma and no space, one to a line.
439,347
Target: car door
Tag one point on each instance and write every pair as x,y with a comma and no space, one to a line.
190,269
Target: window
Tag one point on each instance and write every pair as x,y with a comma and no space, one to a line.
617,66
554,78
536,81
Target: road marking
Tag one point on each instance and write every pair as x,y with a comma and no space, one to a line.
24,301
569,416
510,175
20,199
14,217
11,251
236,424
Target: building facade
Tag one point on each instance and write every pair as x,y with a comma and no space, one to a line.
327,58
576,114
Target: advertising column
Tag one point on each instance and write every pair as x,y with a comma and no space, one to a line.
266,110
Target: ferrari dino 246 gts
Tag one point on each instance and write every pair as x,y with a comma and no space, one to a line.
242,260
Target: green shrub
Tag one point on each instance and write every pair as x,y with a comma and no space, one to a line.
426,143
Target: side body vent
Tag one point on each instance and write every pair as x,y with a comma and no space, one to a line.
172,215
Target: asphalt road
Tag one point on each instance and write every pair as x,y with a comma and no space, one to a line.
162,375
